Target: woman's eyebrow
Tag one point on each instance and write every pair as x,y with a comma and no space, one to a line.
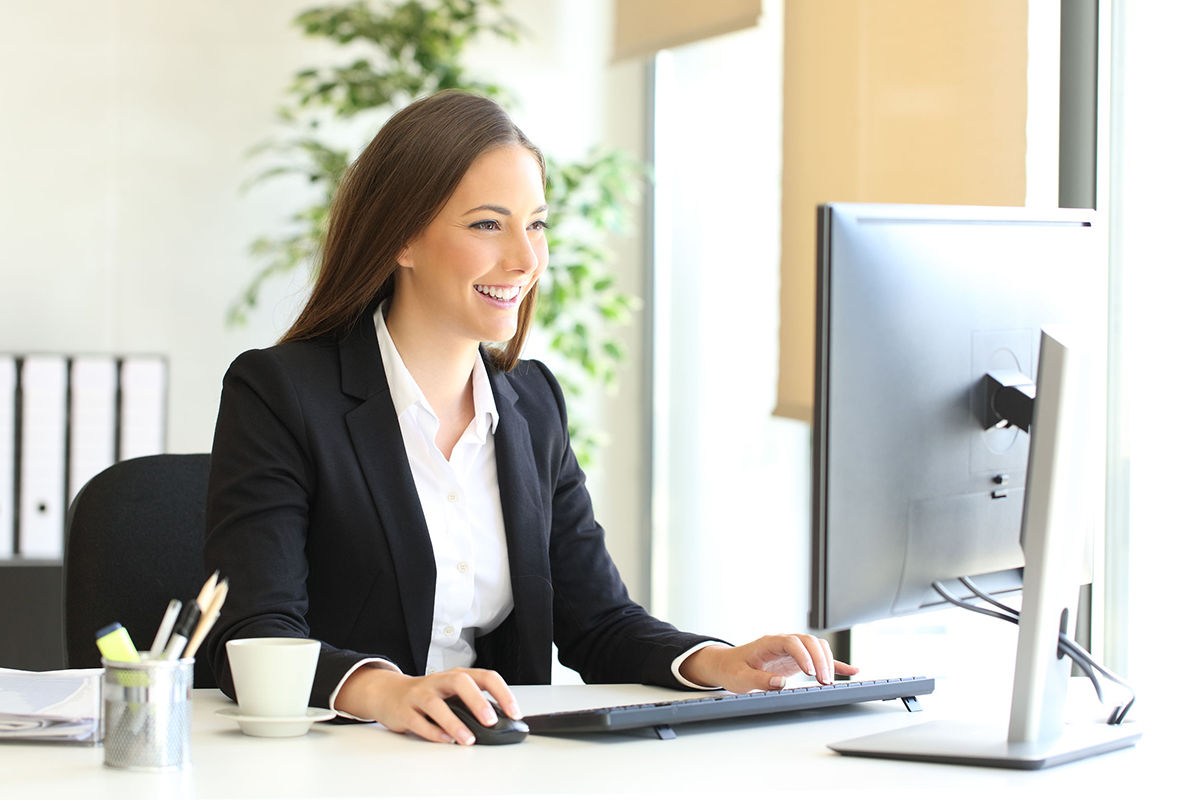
497,209
503,210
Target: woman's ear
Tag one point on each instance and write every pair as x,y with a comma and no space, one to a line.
405,258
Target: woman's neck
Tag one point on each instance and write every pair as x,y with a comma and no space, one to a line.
441,367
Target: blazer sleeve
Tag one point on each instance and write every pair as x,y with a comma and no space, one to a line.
260,488
600,632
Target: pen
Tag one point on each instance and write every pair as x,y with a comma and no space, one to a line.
206,621
183,630
164,628
115,644
206,591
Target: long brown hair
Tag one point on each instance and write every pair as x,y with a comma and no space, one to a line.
390,194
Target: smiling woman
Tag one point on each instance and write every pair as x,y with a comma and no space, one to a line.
466,273
405,181
384,482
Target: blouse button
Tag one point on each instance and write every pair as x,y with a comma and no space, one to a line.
448,630
430,671
452,497
462,566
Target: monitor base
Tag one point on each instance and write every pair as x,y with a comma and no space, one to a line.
950,742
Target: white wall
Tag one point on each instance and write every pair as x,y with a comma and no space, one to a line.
1156,169
123,131
121,150
731,503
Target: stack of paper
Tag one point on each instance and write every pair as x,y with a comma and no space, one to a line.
59,706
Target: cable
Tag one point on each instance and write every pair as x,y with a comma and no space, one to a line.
1066,646
1064,643
982,595
937,587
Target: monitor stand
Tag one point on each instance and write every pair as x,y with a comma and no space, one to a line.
956,742
1053,541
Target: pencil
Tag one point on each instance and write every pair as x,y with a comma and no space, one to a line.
206,591
208,619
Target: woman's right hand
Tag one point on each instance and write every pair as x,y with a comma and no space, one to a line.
404,703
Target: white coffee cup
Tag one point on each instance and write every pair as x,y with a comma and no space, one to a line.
273,676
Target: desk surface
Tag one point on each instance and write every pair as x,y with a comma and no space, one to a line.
763,757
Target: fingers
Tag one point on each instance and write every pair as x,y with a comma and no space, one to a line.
426,713
430,718
828,668
841,668
811,654
421,726
495,685
806,651
466,683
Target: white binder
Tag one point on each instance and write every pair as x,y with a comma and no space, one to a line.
43,456
143,406
93,419
8,442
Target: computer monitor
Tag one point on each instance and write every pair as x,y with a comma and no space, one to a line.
916,305
932,323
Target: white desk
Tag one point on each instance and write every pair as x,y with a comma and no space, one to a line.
763,758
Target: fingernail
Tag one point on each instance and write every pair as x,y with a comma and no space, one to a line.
490,717
465,737
777,681
825,676
513,711
447,738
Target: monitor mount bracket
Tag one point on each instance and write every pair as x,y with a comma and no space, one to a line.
1008,399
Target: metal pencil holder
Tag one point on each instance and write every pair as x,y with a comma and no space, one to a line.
148,714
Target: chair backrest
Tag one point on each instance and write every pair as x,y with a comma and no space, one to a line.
135,540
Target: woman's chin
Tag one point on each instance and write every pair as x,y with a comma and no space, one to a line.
499,335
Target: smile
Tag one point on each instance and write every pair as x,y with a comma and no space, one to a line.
502,293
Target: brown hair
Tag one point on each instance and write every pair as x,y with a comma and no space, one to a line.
390,194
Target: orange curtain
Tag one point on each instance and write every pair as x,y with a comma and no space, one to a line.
921,101
646,26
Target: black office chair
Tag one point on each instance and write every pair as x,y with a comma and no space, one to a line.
135,539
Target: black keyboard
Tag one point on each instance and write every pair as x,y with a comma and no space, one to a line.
660,716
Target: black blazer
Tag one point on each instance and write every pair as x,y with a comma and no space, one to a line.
314,517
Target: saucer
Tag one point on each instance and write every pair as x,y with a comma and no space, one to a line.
276,726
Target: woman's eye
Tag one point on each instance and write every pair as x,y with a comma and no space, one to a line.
540,225
487,225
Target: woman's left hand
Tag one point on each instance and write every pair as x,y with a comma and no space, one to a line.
765,663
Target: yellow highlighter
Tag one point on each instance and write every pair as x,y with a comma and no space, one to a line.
115,644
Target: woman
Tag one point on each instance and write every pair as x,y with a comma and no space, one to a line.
384,483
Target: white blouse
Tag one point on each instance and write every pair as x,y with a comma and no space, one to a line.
461,501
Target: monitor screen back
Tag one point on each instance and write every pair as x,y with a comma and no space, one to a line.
915,305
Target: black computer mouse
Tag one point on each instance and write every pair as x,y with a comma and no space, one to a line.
505,731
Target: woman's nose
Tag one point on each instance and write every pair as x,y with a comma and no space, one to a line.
522,255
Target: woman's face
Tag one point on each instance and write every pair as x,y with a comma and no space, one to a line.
466,274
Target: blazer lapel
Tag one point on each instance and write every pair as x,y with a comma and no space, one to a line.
526,531
379,446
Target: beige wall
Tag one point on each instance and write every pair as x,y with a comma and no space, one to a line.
123,131
916,102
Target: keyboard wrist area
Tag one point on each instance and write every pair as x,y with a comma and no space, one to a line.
690,667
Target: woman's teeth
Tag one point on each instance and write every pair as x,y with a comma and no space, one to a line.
499,292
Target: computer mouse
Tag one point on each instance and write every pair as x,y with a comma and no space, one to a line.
505,731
